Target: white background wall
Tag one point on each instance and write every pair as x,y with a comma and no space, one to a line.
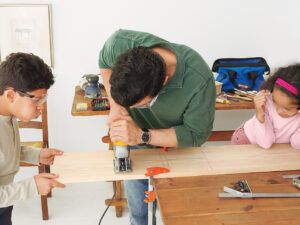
215,28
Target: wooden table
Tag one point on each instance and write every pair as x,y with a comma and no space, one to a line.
194,200
215,136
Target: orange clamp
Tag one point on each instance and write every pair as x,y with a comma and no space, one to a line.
152,171
165,149
150,196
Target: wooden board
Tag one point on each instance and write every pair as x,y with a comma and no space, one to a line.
76,167
194,200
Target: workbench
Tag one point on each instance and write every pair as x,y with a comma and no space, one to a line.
195,201
188,194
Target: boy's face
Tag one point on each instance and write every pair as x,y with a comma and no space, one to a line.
28,105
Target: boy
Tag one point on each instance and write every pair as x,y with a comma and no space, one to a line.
24,82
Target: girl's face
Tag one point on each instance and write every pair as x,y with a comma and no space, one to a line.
285,105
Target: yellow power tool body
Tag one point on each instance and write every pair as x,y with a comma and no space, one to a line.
122,162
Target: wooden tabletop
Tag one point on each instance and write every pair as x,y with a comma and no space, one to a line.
194,200
79,98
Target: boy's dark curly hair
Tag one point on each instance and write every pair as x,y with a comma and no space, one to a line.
290,74
139,72
24,72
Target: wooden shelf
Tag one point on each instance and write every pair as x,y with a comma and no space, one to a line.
79,98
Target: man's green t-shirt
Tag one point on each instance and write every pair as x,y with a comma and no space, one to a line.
186,102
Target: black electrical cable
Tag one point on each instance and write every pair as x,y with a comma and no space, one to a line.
113,197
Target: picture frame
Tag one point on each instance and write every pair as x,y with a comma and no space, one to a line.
26,28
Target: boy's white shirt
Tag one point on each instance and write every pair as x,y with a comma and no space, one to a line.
11,153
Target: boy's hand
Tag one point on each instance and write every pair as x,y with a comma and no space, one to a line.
260,104
123,128
45,183
47,155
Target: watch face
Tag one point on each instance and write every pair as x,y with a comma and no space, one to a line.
145,137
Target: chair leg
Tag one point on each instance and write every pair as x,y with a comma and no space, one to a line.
119,209
44,201
48,170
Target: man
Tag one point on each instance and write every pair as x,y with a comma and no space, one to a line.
161,94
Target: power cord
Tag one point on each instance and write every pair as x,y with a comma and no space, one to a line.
109,204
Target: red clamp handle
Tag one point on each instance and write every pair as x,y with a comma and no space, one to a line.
152,171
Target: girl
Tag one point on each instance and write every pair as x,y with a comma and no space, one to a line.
277,117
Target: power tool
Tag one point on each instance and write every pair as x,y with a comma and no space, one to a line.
122,162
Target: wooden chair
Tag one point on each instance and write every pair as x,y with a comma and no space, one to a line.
43,126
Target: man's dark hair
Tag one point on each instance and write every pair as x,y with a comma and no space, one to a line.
138,73
24,72
290,74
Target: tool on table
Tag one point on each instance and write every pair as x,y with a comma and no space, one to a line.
235,96
222,100
244,191
250,94
99,104
90,84
81,106
122,162
150,194
296,179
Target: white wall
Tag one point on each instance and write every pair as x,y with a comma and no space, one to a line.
215,28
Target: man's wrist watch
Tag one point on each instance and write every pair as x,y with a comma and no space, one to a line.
145,136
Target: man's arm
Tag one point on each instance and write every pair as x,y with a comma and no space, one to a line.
125,129
163,137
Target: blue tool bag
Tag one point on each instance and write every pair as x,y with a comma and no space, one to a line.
242,73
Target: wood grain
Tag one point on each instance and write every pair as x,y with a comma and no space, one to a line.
76,167
194,200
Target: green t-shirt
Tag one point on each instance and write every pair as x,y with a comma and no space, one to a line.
186,102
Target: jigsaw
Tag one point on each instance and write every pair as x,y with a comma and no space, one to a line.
122,162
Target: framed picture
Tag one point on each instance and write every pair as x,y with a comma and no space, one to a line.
26,28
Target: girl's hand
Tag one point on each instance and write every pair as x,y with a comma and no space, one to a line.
260,105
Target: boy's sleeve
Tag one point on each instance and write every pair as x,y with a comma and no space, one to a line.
295,140
30,155
198,118
10,194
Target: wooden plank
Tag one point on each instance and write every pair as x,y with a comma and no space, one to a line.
194,200
74,167
30,124
235,105
220,135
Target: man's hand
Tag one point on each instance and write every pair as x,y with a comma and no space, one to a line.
45,182
260,105
47,155
115,112
123,128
